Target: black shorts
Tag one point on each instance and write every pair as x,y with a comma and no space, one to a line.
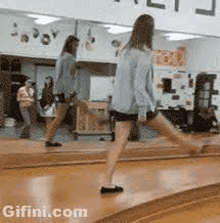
122,117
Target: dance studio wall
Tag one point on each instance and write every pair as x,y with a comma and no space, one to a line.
192,16
203,54
101,50
12,45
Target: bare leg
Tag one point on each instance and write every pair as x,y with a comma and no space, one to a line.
52,127
166,129
48,121
122,130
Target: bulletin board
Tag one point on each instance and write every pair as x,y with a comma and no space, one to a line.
170,58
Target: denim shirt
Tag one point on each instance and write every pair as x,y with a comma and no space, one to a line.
66,78
133,88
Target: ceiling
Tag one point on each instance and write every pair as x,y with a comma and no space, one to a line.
23,14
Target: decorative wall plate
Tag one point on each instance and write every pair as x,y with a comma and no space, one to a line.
24,38
15,29
90,43
116,44
54,33
35,33
45,39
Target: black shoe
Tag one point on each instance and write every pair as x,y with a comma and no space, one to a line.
116,189
50,144
25,136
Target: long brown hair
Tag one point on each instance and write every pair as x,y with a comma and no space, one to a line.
142,33
68,44
51,82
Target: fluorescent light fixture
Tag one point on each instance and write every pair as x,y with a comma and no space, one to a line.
180,36
42,19
114,29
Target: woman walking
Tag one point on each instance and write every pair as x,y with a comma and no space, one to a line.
133,97
66,85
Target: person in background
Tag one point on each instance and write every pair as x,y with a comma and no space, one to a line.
2,104
207,119
133,98
213,116
66,86
25,97
47,101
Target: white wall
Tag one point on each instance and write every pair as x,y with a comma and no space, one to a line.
125,12
102,51
34,48
204,54
101,88
28,69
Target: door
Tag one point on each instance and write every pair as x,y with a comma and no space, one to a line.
5,80
203,99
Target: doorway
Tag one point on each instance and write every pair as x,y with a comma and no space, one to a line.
203,98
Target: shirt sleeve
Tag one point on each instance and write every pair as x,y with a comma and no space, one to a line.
76,77
58,74
40,95
143,99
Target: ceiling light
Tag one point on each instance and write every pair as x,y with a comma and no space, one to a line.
42,19
114,29
180,36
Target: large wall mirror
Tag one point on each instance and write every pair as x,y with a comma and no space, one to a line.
178,60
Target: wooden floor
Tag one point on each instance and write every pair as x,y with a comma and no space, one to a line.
77,187
29,153
17,153
205,211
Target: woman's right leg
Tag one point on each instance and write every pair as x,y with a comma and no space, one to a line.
166,129
122,130
52,127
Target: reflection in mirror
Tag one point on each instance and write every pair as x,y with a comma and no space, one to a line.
178,57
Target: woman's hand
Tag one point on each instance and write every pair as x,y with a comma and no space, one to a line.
56,98
142,119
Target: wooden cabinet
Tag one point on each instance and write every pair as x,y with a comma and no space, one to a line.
97,124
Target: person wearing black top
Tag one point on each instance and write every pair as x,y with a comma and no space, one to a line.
47,101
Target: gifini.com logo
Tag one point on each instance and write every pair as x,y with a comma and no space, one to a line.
27,211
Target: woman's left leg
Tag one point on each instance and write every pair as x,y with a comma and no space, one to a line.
122,130
48,121
52,127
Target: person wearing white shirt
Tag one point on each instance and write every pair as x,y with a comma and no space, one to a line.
66,85
25,97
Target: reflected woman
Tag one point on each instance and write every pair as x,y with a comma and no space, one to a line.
66,85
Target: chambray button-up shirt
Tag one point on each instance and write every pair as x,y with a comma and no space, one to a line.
133,88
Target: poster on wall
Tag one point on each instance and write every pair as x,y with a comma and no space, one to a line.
170,58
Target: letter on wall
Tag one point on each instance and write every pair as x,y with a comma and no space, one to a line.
207,12
155,5
177,3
